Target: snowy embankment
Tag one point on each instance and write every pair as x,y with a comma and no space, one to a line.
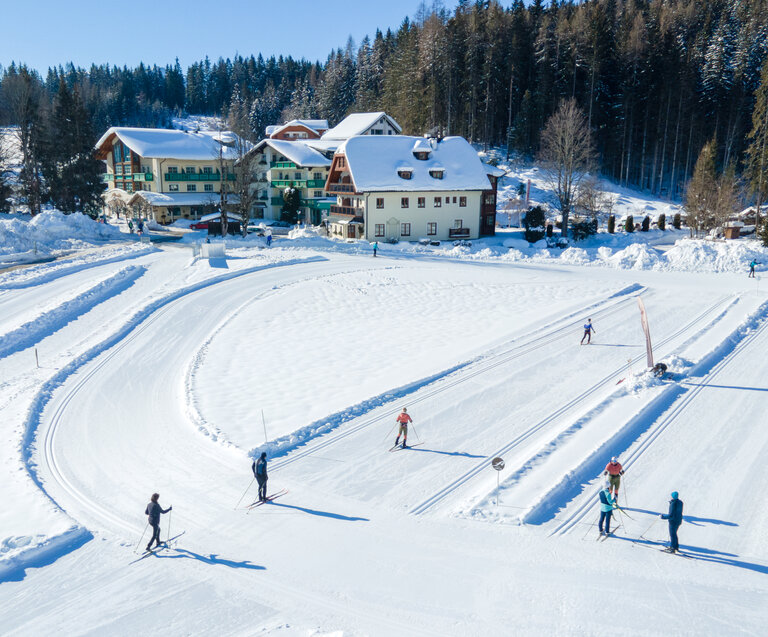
24,239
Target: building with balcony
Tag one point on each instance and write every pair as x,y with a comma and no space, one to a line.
281,164
393,188
184,167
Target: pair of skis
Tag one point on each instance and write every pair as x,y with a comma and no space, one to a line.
168,544
399,447
269,498
604,536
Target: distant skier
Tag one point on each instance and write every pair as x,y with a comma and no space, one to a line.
375,247
606,509
259,468
141,226
675,517
130,226
614,472
269,238
588,329
153,512
403,419
752,265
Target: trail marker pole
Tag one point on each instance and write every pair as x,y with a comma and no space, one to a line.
498,464
37,359
264,422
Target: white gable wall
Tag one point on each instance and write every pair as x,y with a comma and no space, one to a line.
393,215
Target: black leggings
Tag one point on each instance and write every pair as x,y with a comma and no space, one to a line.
155,534
262,488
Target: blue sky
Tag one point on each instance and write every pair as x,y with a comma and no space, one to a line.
43,33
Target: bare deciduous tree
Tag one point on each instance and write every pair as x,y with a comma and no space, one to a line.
566,154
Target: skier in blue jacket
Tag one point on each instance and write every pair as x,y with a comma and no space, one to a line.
259,468
606,508
588,329
675,517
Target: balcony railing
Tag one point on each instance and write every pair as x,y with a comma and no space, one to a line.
338,187
315,183
283,164
106,177
198,176
284,183
458,233
344,210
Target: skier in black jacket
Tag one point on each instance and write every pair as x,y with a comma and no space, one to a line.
259,468
675,517
153,511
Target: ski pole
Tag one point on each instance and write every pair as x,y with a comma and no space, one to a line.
626,493
390,431
136,550
244,492
170,513
589,528
642,535
416,432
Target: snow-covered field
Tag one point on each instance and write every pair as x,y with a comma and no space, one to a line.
128,368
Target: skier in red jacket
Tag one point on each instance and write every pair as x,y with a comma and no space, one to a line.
614,472
403,419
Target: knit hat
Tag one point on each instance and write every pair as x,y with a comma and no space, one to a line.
613,460
674,494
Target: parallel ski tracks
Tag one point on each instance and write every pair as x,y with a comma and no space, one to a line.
482,465
484,365
669,417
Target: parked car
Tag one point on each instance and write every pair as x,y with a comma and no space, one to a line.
278,227
199,225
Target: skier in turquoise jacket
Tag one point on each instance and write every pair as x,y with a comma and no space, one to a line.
675,517
606,509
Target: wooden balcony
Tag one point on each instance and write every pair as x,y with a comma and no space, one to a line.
458,233
336,188
344,210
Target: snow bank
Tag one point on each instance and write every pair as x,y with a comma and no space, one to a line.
21,237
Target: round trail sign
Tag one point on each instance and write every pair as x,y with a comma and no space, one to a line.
497,463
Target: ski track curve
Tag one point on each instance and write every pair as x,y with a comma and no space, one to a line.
48,323
111,345
51,273
605,382
556,329
666,408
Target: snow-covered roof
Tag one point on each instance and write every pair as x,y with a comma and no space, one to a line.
173,144
298,152
323,144
214,216
493,170
374,162
357,124
164,199
315,125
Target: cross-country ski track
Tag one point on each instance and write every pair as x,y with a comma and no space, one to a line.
123,418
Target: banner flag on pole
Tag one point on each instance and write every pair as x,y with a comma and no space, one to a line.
644,321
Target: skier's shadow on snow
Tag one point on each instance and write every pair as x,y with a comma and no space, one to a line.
706,555
611,345
460,454
692,519
212,559
325,514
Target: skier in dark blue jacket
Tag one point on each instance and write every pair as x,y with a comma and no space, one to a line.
153,512
259,468
675,517
588,329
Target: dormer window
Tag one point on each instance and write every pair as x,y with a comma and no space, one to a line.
405,173
421,155
437,173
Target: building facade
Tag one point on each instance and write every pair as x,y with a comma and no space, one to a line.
410,188
175,174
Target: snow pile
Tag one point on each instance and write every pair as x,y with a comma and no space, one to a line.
305,232
714,256
50,231
637,256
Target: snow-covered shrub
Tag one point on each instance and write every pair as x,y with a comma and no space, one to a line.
583,228
535,222
611,224
629,224
646,226
662,222
677,221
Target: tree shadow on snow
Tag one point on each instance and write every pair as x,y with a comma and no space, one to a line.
325,514
211,558
691,519
460,454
